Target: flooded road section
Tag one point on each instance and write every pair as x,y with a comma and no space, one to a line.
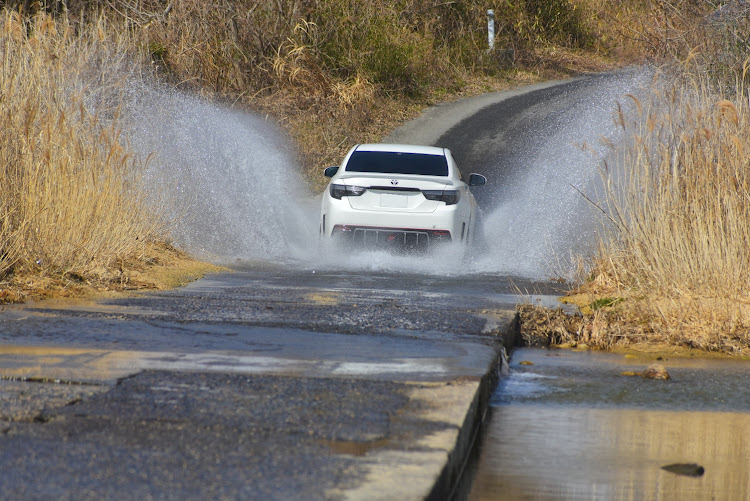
569,425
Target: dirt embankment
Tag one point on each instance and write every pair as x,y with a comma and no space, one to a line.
159,267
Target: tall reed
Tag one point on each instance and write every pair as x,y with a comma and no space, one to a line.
680,204
69,196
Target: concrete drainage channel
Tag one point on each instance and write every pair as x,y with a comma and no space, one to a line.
455,481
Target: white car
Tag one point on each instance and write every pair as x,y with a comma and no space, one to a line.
398,196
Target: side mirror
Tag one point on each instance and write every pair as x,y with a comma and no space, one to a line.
477,180
331,171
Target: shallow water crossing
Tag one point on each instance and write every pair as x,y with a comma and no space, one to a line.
569,425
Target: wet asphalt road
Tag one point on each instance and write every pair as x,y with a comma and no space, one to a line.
215,313
169,435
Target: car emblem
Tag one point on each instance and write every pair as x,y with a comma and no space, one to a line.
394,182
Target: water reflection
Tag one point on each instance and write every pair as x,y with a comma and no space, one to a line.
565,436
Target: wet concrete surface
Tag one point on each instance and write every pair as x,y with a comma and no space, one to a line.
167,435
255,384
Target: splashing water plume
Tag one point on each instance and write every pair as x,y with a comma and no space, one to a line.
227,180
542,217
229,184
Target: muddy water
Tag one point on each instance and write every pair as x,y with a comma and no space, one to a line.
570,426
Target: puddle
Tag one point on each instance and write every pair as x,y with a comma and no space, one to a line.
571,427
595,379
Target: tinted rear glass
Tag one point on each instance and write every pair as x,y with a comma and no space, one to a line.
397,163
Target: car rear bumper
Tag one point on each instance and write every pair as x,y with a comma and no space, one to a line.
444,219
393,238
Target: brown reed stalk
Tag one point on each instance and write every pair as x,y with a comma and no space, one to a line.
681,205
70,188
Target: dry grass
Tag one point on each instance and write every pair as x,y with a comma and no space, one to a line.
158,267
70,199
705,324
677,259
681,208
337,72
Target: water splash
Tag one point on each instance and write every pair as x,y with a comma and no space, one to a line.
542,217
229,184
447,260
227,180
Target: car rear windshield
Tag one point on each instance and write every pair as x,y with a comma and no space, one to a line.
390,162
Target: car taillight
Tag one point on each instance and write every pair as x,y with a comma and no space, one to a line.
440,234
341,190
450,197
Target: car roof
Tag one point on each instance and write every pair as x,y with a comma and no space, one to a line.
402,148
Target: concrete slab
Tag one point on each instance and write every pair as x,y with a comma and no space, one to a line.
295,414
162,434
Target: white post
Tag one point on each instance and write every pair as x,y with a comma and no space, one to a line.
491,28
